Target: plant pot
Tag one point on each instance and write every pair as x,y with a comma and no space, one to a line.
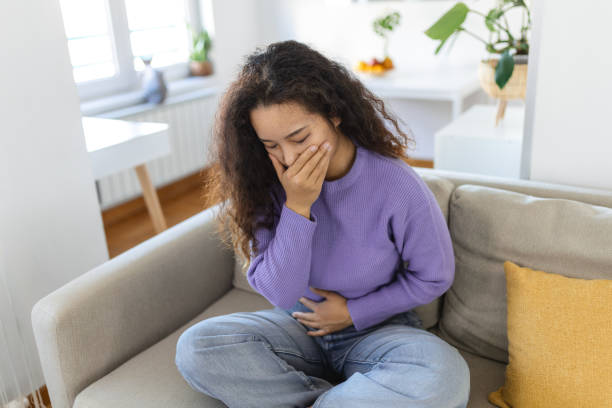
200,68
515,88
516,85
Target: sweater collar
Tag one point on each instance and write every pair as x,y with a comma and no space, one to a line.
351,176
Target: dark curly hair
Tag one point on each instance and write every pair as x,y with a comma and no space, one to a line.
244,177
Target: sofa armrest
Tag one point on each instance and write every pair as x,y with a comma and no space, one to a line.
96,322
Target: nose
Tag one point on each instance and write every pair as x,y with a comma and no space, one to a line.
289,156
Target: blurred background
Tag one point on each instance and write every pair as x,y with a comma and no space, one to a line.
106,108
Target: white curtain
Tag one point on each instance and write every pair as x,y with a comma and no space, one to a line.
13,357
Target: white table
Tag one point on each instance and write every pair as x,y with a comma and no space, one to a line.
472,143
440,82
115,145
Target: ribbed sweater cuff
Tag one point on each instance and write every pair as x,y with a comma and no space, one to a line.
288,212
376,307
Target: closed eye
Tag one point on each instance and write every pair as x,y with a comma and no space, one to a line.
297,141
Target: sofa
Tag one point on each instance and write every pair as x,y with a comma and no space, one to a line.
108,338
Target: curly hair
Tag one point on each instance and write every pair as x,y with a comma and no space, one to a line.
244,178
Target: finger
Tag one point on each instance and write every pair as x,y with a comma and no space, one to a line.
320,171
321,332
320,292
311,317
299,162
308,323
311,164
309,303
321,165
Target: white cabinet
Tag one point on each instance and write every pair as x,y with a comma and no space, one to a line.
472,143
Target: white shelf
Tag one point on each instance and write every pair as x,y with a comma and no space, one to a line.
472,143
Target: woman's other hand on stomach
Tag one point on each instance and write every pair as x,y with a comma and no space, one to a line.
329,315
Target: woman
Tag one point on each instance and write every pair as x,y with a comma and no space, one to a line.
344,240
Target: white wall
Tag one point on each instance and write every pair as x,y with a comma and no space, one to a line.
236,30
50,223
567,129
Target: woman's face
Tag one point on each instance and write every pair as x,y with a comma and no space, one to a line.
286,130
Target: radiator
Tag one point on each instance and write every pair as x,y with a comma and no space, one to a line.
190,131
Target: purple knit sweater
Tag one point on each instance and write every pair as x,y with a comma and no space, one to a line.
376,236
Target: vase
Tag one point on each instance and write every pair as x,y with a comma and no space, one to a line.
153,84
515,88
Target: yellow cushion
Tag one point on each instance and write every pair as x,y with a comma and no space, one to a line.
559,341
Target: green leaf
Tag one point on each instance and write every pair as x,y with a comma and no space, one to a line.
439,47
386,23
448,23
504,69
445,40
491,17
201,45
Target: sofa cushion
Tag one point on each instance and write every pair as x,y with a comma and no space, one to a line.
429,313
489,226
485,375
556,363
151,378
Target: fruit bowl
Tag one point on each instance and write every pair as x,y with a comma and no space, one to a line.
375,66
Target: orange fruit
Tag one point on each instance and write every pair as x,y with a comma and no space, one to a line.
378,69
387,63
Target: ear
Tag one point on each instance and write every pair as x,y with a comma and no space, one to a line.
336,121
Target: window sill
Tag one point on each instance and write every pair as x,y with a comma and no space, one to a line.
130,103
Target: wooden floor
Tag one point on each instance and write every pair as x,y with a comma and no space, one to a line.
42,396
129,224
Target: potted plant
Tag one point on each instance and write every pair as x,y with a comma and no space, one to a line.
199,63
382,26
503,74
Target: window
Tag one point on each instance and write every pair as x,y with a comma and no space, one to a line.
89,41
107,38
159,31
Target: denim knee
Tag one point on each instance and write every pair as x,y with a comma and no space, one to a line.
210,332
192,339
450,372
457,373
184,351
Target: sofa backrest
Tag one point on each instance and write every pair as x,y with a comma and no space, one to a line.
469,201
489,226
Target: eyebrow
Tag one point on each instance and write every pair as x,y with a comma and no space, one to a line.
295,132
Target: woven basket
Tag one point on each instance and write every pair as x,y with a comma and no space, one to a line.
515,87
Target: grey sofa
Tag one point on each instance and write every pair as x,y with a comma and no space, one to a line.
108,338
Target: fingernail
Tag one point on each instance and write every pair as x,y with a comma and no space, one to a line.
327,146
313,148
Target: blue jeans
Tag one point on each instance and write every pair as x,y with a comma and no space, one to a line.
265,359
